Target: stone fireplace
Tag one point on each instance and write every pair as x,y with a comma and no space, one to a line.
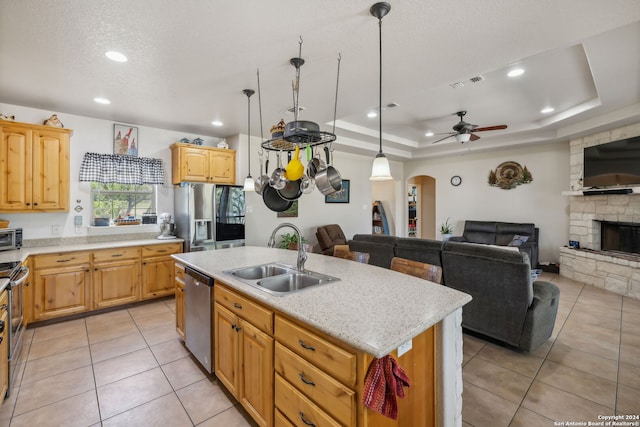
606,226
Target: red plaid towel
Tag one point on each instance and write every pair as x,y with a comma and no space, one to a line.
384,381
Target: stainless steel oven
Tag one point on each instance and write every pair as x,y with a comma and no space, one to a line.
10,238
17,275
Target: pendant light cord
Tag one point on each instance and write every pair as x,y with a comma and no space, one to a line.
380,87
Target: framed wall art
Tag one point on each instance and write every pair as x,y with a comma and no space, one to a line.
125,140
341,196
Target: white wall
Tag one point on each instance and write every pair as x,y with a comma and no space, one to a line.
539,202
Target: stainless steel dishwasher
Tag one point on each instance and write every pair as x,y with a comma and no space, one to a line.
198,289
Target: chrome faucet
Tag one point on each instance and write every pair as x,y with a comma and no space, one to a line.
302,255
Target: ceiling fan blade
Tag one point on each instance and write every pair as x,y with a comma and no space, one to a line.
474,137
497,127
442,139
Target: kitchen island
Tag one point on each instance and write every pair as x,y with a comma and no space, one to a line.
369,313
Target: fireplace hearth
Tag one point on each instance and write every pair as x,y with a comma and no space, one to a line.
620,237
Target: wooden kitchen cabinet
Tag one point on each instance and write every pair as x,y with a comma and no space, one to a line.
34,164
158,270
4,345
180,312
191,163
243,354
116,276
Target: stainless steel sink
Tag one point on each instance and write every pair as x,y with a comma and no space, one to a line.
279,279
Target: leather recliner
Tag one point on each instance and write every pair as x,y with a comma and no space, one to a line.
328,236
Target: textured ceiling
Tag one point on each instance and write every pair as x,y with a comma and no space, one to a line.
190,60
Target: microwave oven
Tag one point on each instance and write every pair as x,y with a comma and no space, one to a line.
10,238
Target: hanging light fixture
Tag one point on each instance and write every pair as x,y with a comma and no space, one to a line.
380,170
463,137
249,183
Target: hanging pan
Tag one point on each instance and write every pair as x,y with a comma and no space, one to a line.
263,180
273,200
314,165
328,180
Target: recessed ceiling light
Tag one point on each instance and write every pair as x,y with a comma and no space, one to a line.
547,110
515,72
102,100
372,114
428,133
116,56
217,123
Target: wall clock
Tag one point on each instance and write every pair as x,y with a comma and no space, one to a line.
456,180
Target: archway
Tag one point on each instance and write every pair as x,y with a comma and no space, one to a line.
421,206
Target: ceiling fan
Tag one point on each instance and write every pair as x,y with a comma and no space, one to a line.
465,131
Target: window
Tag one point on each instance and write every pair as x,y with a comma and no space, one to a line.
113,201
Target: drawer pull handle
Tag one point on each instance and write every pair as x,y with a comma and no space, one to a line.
116,255
306,346
236,305
64,260
309,423
162,250
306,381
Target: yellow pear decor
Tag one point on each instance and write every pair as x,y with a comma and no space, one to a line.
295,168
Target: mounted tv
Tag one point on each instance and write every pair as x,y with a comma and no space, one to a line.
613,164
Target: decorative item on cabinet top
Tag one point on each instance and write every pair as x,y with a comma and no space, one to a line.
53,121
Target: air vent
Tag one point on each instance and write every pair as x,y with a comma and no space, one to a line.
291,110
456,85
476,79
392,105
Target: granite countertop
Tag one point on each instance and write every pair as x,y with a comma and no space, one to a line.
371,308
24,252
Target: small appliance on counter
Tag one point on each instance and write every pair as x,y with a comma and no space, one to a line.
167,227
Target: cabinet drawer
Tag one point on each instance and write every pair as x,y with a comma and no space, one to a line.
254,313
179,271
61,259
116,254
298,408
160,250
282,421
335,361
329,394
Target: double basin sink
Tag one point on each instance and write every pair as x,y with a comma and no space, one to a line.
279,279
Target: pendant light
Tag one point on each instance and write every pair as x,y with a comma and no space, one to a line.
249,183
380,170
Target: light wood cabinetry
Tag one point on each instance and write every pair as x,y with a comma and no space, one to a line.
116,276
34,165
158,270
4,344
243,354
180,313
202,164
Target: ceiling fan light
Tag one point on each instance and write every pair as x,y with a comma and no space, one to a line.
380,171
463,137
249,184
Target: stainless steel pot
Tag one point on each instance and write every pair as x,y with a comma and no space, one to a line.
278,178
314,165
263,180
328,180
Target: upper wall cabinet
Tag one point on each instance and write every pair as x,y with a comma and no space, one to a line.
190,163
34,166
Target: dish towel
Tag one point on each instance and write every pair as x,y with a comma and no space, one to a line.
384,381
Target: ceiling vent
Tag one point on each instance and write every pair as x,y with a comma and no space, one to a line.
392,105
476,79
456,85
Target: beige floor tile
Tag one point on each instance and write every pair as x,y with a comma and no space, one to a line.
53,389
630,305
592,339
628,400
53,346
466,424
130,392
57,330
629,375
6,410
561,318
169,351
124,366
18,374
99,321
593,315
232,417
172,305
631,323
569,288
117,346
163,411
599,297
582,384
164,319
149,309
527,418
205,399
472,345
480,408
183,372
559,405
56,364
80,410
630,349
495,379
99,332
160,335
585,362
520,362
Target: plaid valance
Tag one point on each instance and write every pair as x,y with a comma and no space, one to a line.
121,169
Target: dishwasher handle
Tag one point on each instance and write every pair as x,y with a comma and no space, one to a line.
199,277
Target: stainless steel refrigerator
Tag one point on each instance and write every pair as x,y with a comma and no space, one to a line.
209,216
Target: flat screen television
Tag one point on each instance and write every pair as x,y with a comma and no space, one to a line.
613,164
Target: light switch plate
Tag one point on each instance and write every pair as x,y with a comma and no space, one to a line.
77,220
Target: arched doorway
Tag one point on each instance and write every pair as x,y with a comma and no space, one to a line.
421,206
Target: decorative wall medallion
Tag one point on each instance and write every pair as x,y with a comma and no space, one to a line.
509,175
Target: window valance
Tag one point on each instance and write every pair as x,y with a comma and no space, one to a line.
121,169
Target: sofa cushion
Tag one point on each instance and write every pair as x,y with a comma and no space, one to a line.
480,232
506,230
422,250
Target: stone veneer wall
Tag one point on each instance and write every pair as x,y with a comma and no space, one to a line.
620,274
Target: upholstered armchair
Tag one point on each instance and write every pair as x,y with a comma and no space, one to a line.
328,236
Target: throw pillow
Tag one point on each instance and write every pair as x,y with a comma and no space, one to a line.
518,240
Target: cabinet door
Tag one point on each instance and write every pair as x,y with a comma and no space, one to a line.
157,277
194,165
222,167
50,171
4,348
116,283
256,394
226,348
61,291
180,324
15,168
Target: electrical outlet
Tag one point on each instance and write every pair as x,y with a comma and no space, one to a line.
55,230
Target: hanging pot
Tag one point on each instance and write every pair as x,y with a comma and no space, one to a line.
278,179
273,200
307,184
292,190
314,165
328,180
263,180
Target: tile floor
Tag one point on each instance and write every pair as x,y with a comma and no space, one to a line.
129,368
